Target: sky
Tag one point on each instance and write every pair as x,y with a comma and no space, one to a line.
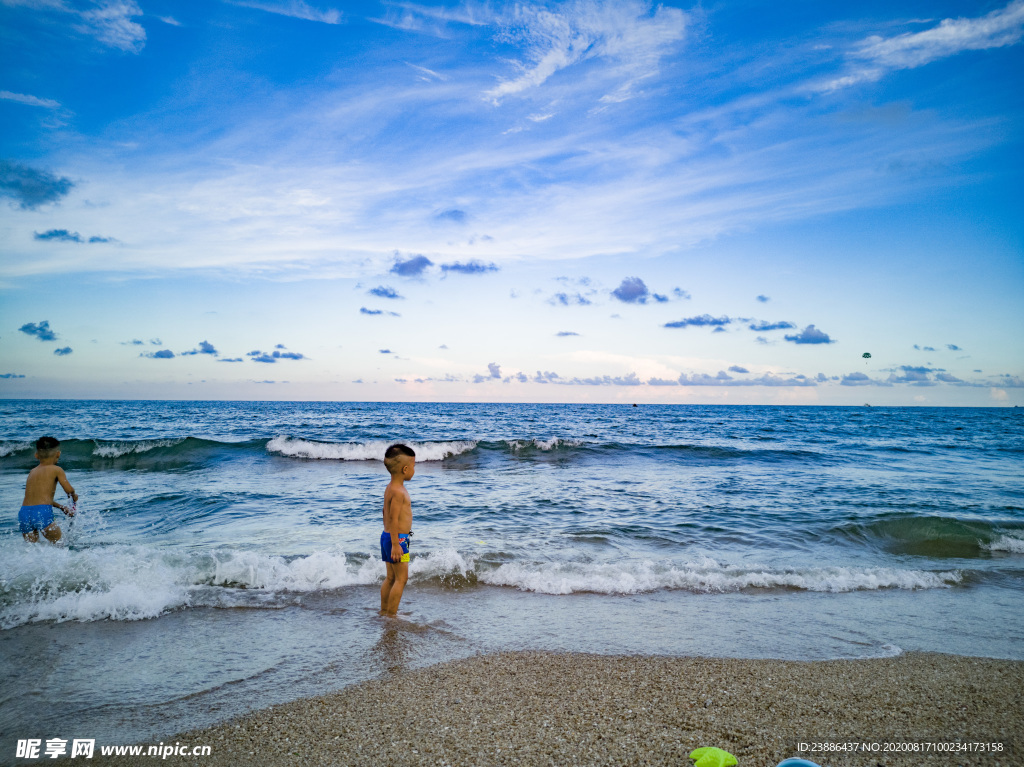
778,202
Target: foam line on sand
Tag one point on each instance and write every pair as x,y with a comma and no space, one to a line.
535,708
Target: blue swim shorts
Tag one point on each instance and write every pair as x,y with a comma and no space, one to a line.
385,546
32,518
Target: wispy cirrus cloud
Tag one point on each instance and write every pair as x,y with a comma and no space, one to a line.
628,37
875,56
111,23
295,9
32,101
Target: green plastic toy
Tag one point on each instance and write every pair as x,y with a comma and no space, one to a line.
712,757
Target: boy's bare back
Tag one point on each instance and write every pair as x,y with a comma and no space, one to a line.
36,514
42,484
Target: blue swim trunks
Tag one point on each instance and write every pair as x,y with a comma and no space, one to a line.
385,546
32,518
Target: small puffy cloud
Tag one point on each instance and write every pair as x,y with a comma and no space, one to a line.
662,382
856,379
11,375
373,312
155,342
494,369
953,348
762,340
205,347
443,346
383,291
810,335
31,187
564,333
411,267
762,326
41,331
629,380
385,351
924,348
96,239
454,215
133,342
163,354
701,321
274,356
912,375
660,298
763,298
569,299
738,369
230,359
470,267
546,377
64,352
682,294
948,378
58,235
632,290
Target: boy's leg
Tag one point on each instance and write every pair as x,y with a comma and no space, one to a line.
52,532
31,537
385,587
401,575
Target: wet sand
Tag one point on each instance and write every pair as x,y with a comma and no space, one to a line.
534,708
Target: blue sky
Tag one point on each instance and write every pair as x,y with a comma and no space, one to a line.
579,201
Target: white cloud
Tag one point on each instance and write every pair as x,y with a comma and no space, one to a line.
629,36
296,9
32,101
111,23
876,55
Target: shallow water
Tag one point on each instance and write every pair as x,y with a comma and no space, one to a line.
225,558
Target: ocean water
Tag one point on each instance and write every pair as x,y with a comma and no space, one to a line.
225,554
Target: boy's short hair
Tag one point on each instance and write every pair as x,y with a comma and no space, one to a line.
393,456
47,446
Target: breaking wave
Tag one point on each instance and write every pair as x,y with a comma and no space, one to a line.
363,451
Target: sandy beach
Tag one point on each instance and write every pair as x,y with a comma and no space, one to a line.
530,708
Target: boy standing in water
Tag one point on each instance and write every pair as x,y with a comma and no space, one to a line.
36,510
400,461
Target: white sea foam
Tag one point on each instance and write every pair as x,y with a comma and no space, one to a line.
10,447
363,451
40,583
117,449
515,445
1008,543
636,578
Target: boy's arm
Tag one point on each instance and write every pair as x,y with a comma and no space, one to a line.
391,526
63,479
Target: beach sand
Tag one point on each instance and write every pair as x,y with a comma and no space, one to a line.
534,708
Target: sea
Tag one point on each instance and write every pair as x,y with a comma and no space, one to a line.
225,555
